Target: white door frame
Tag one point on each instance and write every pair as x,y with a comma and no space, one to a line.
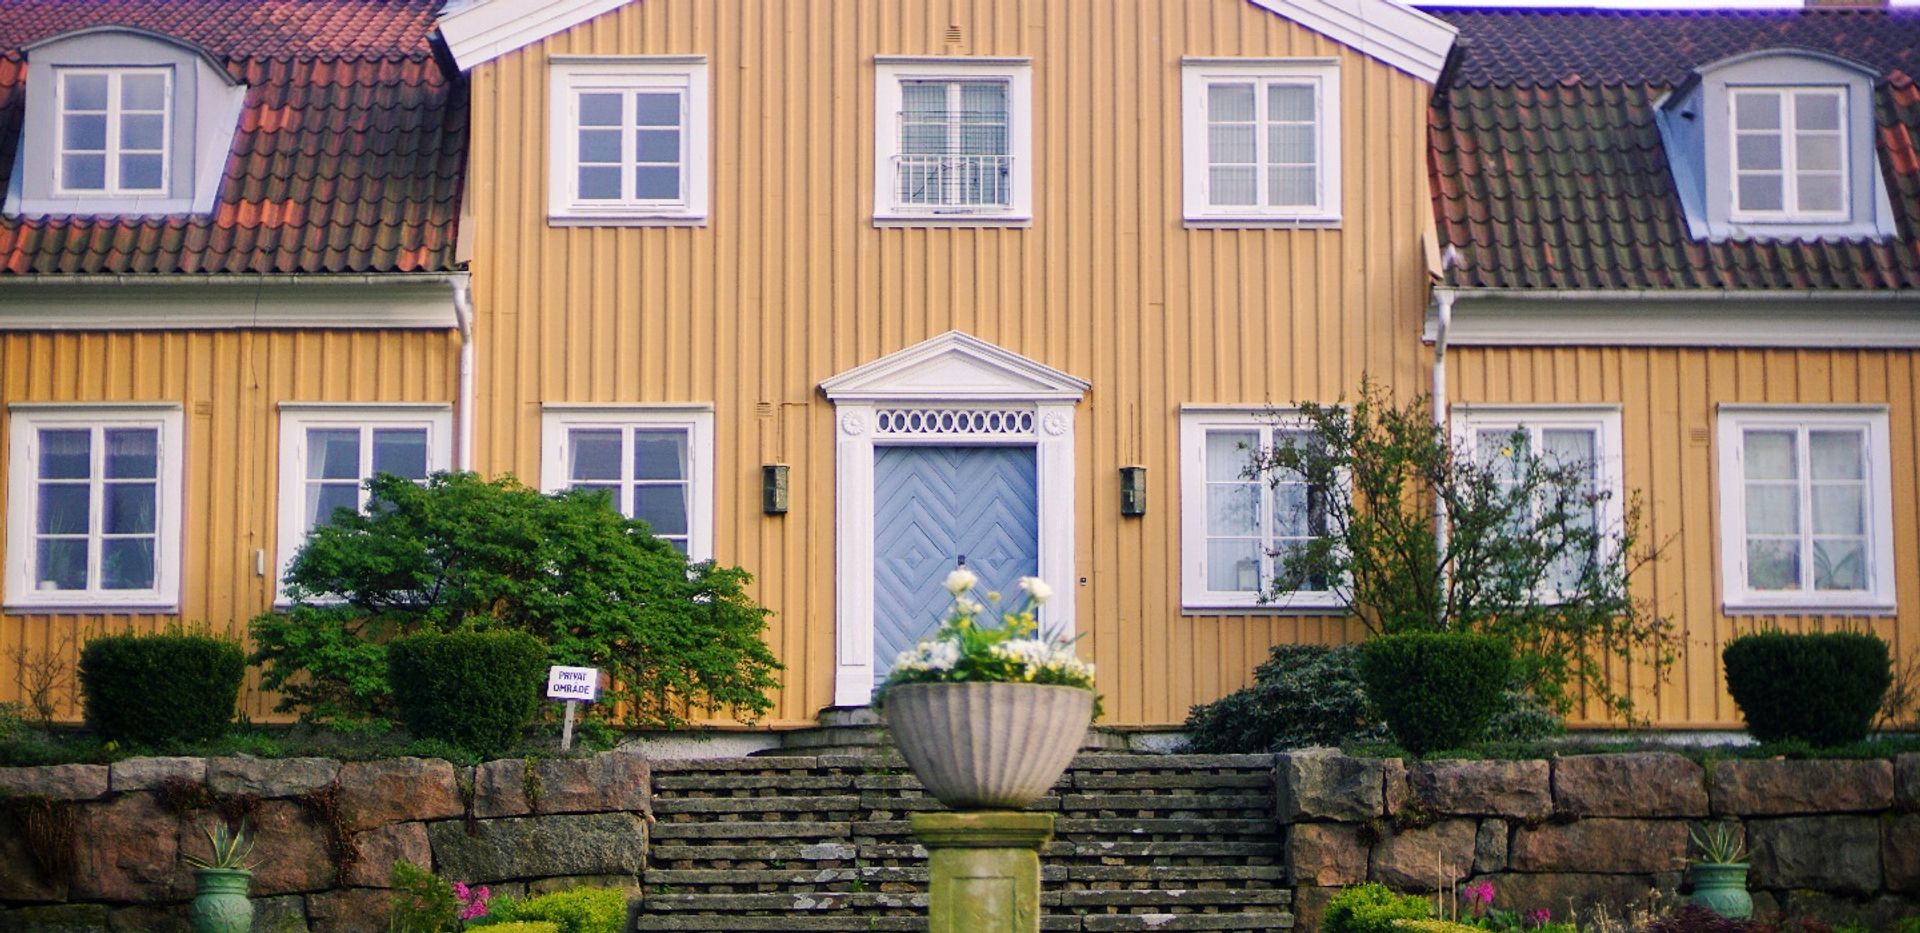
952,390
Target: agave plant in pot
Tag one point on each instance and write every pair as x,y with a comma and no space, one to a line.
1719,874
220,902
989,710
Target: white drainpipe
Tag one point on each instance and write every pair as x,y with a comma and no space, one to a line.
463,413
1443,322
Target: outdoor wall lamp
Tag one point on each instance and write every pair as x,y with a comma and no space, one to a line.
1133,490
773,489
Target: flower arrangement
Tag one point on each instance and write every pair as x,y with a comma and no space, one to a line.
981,642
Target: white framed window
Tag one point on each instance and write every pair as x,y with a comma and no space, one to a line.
113,128
94,507
1260,140
628,140
1789,153
328,452
1233,525
1806,509
1583,437
953,140
655,464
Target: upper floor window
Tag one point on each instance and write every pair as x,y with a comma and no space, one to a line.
654,464
953,140
1790,153
1261,141
113,130
1238,527
629,141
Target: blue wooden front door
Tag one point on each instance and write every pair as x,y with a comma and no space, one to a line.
932,506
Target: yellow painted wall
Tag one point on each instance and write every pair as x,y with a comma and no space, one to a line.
790,283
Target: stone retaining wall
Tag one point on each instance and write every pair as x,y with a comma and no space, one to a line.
90,847
1839,839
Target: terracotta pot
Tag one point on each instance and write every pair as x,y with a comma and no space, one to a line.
988,746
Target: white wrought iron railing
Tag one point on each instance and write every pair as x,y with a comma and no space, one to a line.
958,183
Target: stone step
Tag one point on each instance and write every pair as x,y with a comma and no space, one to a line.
846,851
1176,901
784,902
1165,923
1184,897
753,829
822,803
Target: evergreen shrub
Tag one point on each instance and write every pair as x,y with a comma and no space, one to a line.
476,690
1437,690
1822,688
155,690
1372,908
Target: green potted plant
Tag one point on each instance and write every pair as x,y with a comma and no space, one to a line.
220,902
989,710
1719,874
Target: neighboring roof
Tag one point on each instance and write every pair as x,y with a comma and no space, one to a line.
348,158
1548,170
478,31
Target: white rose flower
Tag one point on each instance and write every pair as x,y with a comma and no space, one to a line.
968,607
1037,589
960,581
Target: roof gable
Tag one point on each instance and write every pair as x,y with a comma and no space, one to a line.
954,365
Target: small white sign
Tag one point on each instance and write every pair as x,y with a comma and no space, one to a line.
573,683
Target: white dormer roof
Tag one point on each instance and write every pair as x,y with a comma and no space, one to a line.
954,366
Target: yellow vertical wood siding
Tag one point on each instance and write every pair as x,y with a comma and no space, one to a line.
789,283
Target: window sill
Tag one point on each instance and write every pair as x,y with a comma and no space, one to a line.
1864,606
91,608
1221,607
638,219
1262,223
953,220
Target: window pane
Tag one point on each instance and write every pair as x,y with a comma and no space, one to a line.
1297,513
656,182
663,508
1290,144
84,131
1840,565
1233,566
600,182
84,172
594,454
1230,145
984,101
656,145
1760,193
66,454
655,109
659,455
1770,455
1290,103
61,564
142,131
600,146
1233,509
1773,565
1820,193
1291,186
1773,509
1839,509
1230,454
400,451
1837,454
126,564
612,493
64,508
1757,151
333,453
1817,153
1756,111
323,499
923,101
86,92
1570,447
140,172
1816,112
133,453
1308,583
143,92
599,110
129,508
1230,103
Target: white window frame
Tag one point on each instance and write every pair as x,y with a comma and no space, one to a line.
697,420
1196,75
27,420
889,73
1736,597
571,75
296,419
112,188
1195,424
1789,97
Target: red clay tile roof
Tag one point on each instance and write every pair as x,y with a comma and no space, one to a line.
348,159
1547,169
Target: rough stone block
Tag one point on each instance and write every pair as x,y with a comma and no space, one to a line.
540,847
1395,790
148,918
1900,853
59,918
1875,913
1601,846
374,793
1777,787
285,914
1518,790
60,782
1490,847
127,850
1325,854
292,847
349,910
500,788
149,773
1906,782
381,847
1826,853
1427,858
1657,784
1310,906
610,781
1562,893
1323,784
270,777
21,878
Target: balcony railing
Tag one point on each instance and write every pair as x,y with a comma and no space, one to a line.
941,182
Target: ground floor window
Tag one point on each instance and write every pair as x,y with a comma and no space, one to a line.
1236,528
654,464
328,452
1582,438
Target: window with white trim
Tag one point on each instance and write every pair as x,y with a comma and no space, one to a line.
1806,509
328,452
1789,153
1261,140
93,514
1235,527
654,464
629,140
953,139
113,130
1585,439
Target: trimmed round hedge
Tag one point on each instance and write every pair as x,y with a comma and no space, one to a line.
154,690
476,690
1437,689
1822,688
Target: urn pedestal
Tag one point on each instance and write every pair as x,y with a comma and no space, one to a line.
984,868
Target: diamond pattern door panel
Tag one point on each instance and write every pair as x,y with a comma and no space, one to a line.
933,505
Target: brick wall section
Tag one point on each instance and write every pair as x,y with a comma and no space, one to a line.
1839,839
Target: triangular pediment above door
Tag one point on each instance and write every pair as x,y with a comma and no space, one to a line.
954,367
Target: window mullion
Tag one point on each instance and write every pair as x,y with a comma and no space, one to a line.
96,503
112,169
628,499
364,468
629,147
1803,494
1262,89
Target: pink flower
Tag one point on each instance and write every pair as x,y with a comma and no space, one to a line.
473,903
1480,893
460,890
1539,917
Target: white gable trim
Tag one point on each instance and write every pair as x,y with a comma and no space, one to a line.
1398,35
485,31
954,367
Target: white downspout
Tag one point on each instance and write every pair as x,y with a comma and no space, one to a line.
463,413
1443,322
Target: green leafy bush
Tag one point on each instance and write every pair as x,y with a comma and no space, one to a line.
1372,908
1820,688
422,901
152,690
1301,695
477,690
458,553
1437,689
576,910
522,926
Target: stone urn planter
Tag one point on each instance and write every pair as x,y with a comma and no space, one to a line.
1722,888
220,903
988,746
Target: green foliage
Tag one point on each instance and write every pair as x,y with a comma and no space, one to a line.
423,902
1437,689
982,643
459,553
228,848
150,690
1530,550
476,690
1434,926
1719,844
576,910
1302,695
522,926
1372,908
1820,688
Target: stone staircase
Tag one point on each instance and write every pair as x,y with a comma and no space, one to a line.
1142,842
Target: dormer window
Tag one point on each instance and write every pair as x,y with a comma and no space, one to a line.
113,131
1790,153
